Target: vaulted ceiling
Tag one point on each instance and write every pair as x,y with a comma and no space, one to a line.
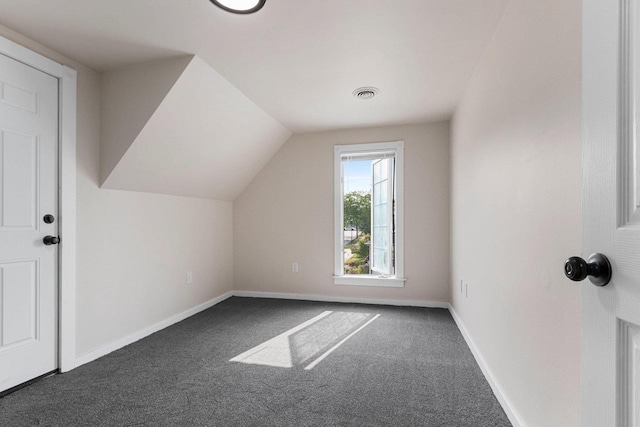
196,100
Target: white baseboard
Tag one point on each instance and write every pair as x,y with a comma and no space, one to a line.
513,416
103,351
323,298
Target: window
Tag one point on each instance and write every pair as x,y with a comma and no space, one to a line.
369,233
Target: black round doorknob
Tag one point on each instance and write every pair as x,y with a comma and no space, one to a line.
597,268
51,240
576,269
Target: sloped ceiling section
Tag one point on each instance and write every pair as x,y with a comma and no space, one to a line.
193,134
129,98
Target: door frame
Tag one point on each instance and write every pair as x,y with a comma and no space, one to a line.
66,283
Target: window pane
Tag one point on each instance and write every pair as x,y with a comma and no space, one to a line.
384,170
381,259
382,236
379,215
376,193
383,195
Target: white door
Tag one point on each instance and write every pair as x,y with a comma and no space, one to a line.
611,211
28,192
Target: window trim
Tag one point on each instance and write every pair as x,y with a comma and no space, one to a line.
339,278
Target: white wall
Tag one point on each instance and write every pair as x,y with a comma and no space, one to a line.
286,215
516,209
134,249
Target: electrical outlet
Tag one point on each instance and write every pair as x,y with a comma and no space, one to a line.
295,267
189,278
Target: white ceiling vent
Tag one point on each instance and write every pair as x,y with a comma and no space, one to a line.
366,92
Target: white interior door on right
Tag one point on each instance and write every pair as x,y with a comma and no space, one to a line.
28,194
611,212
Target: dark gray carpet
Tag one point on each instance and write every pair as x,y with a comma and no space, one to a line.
409,367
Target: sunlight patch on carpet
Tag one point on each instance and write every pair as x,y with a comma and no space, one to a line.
311,341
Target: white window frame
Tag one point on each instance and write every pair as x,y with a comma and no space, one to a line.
339,278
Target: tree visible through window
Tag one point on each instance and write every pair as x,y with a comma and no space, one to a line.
357,227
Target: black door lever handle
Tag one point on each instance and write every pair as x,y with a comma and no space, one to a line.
51,240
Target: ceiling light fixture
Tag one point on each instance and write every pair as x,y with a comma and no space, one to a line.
240,6
366,92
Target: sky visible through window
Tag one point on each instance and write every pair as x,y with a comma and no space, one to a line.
357,176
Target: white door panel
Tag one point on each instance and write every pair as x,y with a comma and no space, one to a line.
19,181
18,312
24,99
28,191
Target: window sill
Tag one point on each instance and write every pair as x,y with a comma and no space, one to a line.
352,280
